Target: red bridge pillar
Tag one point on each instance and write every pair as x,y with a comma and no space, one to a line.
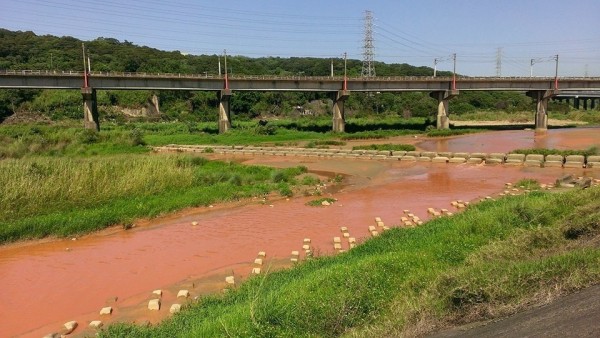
443,97
224,111
90,109
339,121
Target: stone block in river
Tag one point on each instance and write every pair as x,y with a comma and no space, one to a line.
258,261
457,160
575,158
399,153
424,159
256,271
440,159
414,153
429,154
475,160
230,280
494,161
447,154
106,310
262,254
295,253
533,163
154,305
372,228
478,155
175,308
157,292
462,155
534,157
407,158
96,324
337,246
336,240
183,293
70,326
306,240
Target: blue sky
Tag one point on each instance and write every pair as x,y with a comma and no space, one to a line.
414,32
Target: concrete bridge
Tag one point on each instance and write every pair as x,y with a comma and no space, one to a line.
541,89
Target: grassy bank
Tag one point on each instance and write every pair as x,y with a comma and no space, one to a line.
585,152
483,263
62,196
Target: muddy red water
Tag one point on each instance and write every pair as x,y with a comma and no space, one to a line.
44,285
505,141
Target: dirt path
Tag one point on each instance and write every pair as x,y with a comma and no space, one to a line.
575,315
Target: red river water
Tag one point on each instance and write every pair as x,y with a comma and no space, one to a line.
44,284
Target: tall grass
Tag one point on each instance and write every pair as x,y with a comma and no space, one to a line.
61,196
485,262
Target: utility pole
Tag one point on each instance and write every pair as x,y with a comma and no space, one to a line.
454,72
499,62
435,62
368,68
345,71
556,72
531,67
332,68
226,80
219,58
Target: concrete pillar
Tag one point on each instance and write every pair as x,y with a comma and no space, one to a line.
224,111
90,109
443,97
339,121
585,105
576,103
541,98
593,104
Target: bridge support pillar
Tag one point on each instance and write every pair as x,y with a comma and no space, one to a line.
339,120
576,103
443,98
541,98
90,109
585,105
593,104
224,110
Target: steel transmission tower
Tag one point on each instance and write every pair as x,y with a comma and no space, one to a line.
368,68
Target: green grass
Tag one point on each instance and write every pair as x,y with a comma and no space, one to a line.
585,152
387,146
44,196
485,262
451,132
319,202
528,183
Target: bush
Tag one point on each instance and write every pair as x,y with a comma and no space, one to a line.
136,138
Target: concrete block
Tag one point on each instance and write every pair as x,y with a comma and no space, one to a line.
377,219
183,293
534,157
413,153
478,155
533,163
494,161
573,164
154,305
593,158
157,292
440,159
106,310
399,153
429,154
447,154
379,157
256,271
351,240
262,254
346,235
258,261
424,159
593,165
352,245
70,326
384,152
457,160
403,219
306,241
345,229
380,224
230,280
96,324
575,158
337,240
194,223
500,156
406,211
475,160
513,162
406,158
175,308
374,233
461,155
515,157
295,253
337,246
372,228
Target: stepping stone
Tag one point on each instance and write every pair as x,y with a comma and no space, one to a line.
157,292
70,326
352,245
175,308
306,247
295,253
372,228
294,260
262,254
194,223
306,240
106,310
344,229
346,235
183,293
230,280
377,219
154,305
258,261
96,324
337,246
351,240
374,233
380,224
256,271
336,240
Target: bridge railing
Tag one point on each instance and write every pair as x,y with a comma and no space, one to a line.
71,73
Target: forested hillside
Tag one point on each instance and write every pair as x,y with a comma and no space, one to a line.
26,50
